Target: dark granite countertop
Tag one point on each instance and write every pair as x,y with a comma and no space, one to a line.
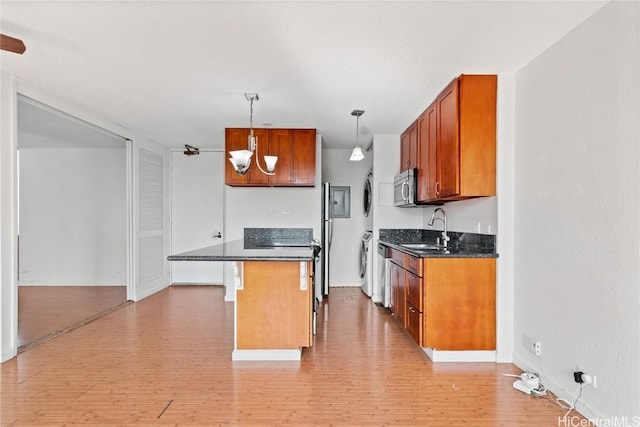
461,245
236,250
448,252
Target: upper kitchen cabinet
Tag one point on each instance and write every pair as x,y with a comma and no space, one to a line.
280,145
296,151
237,139
456,142
409,147
466,138
427,160
304,165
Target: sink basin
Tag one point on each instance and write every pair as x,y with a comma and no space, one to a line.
422,246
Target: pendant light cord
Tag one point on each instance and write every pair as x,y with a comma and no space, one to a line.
254,141
251,119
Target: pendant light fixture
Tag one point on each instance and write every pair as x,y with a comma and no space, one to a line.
241,159
357,154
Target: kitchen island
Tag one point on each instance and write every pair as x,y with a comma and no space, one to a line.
273,305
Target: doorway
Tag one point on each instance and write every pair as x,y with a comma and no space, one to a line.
72,221
197,208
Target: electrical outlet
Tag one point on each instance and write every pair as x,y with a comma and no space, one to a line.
585,379
537,348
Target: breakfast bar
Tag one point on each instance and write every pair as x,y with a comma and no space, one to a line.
273,304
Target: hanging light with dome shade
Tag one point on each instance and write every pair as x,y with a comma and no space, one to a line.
357,154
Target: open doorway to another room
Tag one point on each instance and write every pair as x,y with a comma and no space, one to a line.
72,222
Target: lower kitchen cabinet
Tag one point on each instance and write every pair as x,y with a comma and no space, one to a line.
445,303
398,300
406,291
273,312
413,287
414,323
459,297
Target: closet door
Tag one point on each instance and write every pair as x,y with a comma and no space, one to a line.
151,268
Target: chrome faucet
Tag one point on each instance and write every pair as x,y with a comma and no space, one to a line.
445,237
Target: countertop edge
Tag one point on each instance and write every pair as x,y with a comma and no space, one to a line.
236,258
460,253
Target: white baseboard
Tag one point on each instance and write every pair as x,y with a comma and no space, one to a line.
196,284
345,285
284,354
70,284
143,293
460,356
504,357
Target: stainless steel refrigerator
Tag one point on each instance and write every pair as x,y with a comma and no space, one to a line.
327,235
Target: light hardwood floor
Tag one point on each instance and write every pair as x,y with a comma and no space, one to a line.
44,311
166,360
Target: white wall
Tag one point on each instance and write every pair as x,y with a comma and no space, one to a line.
577,209
73,216
10,86
345,249
470,216
386,164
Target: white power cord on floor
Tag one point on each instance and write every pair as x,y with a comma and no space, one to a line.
541,390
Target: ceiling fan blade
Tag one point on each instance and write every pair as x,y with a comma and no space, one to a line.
12,44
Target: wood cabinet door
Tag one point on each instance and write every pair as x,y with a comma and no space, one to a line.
459,310
235,139
281,145
477,96
414,323
401,296
448,142
272,311
304,158
254,176
238,139
396,278
413,145
409,147
427,161
414,290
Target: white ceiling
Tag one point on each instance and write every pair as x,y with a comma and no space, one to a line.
176,71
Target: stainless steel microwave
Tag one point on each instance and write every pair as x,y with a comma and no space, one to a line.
404,188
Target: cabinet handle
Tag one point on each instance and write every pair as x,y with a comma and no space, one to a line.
303,276
437,188
413,310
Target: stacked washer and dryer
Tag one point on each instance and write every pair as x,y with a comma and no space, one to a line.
367,251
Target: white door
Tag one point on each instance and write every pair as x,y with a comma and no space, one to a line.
197,184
